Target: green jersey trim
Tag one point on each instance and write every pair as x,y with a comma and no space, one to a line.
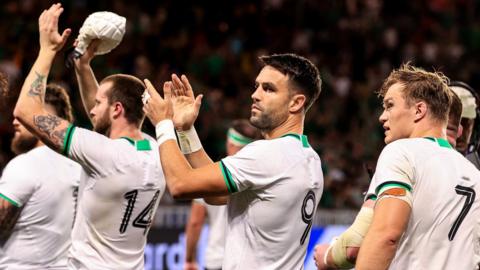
142,145
392,184
299,137
227,176
371,197
9,200
442,142
68,139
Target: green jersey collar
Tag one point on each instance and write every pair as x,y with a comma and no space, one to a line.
142,145
440,141
299,137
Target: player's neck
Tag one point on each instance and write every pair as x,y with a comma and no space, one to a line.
434,130
119,130
293,124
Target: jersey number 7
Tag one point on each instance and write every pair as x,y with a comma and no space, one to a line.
144,219
470,194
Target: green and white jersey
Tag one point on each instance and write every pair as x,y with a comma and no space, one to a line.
121,185
217,221
276,186
444,227
44,184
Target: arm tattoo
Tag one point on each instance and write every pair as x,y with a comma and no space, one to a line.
8,217
37,88
47,124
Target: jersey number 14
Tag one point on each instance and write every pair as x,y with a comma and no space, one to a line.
144,219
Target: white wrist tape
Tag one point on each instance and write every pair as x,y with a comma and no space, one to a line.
189,141
165,131
352,237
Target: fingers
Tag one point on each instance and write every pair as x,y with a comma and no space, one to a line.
179,88
167,90
92,47
150,88
188,87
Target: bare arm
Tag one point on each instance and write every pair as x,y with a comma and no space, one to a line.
87,83
30,109
9,214
389,222
193,230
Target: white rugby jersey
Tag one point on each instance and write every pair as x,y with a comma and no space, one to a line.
45,185
217,221
276,186
444,227
121,185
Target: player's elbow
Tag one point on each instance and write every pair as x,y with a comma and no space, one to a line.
390,237
179,190
19,112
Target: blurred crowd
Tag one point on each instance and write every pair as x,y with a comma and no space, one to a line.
355,44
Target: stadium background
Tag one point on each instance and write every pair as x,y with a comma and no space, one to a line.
355,44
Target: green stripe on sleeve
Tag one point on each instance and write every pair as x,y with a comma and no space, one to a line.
9,200
227,176
392,184
68,139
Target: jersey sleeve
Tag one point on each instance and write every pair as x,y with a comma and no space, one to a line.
394,170
93,151
253,167
16,184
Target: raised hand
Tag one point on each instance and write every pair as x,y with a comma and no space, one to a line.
185,106
50,39
86,58
157,108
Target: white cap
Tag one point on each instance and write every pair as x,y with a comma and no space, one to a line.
469,104
106,26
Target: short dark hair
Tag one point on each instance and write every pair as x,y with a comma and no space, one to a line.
455,114
245,128
303,74
127,90
57,97
418,84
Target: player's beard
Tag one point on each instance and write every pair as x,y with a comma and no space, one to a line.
103,124
23,143
266,120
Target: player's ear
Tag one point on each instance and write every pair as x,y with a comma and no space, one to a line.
421,109
297,103
117,110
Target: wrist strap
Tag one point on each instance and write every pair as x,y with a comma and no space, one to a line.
165,131
189,141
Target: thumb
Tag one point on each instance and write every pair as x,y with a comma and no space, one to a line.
66,33
198,102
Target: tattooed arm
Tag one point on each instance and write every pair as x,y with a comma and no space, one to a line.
30,109
9,214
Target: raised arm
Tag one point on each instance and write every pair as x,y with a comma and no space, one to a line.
87,83
30,109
